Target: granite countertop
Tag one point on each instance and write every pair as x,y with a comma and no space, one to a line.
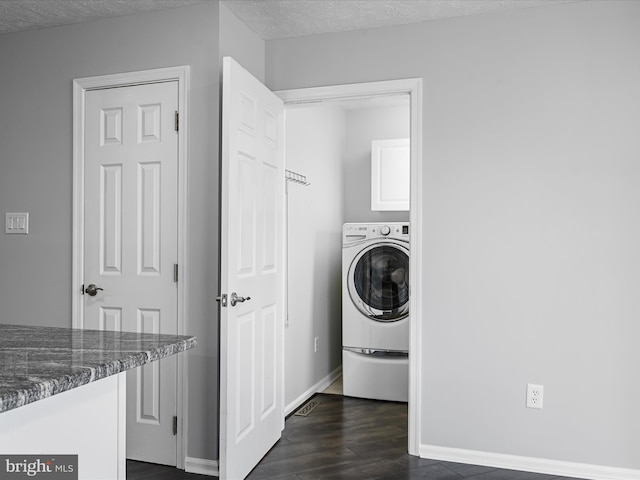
38,362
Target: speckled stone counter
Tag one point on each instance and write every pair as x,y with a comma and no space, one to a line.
38,362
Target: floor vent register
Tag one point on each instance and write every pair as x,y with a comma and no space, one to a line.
307,408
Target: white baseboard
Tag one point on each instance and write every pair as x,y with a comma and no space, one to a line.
201,466
528,464
318,387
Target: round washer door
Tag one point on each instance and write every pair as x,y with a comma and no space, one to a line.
378,281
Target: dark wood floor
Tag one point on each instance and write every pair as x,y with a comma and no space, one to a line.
348,439
150,471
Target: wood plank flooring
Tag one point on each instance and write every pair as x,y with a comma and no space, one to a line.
150,471
348,439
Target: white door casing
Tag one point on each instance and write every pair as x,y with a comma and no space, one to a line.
252,265
81,87
131,176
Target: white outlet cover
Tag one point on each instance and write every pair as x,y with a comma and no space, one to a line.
535,396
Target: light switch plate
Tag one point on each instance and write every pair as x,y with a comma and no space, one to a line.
16,223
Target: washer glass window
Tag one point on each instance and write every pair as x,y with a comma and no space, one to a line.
380,279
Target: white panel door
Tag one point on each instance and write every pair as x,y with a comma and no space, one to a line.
252,331
131,244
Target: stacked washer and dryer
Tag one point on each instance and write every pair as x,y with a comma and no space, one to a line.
375,310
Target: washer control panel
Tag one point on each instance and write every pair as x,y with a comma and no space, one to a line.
357,232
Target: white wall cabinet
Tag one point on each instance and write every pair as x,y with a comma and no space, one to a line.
390,175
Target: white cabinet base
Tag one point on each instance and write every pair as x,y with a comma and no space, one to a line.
88,421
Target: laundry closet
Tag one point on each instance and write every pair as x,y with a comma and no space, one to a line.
328,154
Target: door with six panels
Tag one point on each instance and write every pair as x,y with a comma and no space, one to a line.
131,244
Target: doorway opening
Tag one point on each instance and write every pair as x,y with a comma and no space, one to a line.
329,135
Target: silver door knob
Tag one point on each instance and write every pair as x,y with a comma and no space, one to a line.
236,299
92,290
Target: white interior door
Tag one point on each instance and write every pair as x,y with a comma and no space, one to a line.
130,238
251,331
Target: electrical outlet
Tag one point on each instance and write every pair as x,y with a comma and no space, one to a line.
316,344
535,396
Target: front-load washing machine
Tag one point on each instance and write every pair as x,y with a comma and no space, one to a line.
375,310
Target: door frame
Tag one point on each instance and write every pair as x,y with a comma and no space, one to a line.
412,87
81,86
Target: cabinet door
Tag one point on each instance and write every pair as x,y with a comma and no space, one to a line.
390,167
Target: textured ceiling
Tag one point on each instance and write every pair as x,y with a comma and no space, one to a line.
290,18
268,18
17,15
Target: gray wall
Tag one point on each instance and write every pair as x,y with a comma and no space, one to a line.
241,43
530,222
36,172
315,142
363,126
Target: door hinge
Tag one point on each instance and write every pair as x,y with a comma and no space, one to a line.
175,425
175,272
177,122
